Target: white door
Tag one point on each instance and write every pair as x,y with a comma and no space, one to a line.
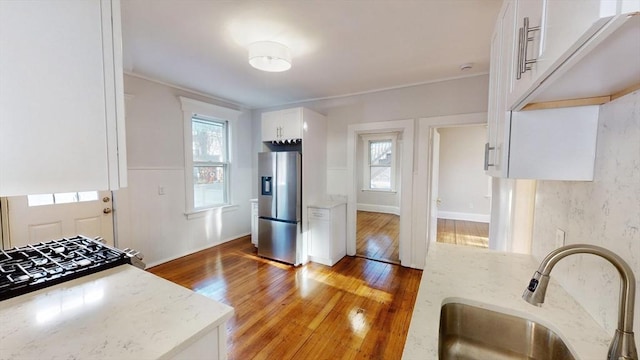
88,213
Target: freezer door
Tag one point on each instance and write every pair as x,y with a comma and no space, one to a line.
267,190
288,187
277,240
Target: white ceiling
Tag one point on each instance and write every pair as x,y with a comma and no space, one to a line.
339,47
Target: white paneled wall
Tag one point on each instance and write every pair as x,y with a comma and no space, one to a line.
150,213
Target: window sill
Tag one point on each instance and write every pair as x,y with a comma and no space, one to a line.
380,190
196,214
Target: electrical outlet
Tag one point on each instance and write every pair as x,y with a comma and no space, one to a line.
559,238
160,190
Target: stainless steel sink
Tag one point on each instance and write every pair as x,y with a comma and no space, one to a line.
472,333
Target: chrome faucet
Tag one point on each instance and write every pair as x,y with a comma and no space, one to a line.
623,345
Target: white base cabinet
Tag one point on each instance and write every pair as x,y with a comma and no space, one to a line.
212,345
327,233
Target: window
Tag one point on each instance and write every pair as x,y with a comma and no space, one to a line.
208,160
380,155
379,162
61,198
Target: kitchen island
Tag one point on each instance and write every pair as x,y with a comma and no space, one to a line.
495,281
119,313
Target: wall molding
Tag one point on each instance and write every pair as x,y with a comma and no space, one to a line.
386,209
453,215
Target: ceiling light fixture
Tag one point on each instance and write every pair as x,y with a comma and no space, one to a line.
269,56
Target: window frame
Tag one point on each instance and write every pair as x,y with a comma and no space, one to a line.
366,178
206,112
224,163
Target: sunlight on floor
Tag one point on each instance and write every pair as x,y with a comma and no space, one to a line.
362,289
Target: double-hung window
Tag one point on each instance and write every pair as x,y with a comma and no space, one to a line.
208,159
380,162
209,139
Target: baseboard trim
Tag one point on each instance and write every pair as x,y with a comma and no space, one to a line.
452,215
193,251
380,208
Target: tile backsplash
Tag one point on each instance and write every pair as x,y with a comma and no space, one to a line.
604,212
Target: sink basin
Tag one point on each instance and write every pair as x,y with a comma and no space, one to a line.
469,332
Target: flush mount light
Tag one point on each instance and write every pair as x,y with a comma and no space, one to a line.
269,56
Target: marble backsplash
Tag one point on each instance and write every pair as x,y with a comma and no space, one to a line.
604,212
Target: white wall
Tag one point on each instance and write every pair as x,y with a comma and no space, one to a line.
156,224
421,103
603,212
463,186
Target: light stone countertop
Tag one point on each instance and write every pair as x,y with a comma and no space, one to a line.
120,313
496,281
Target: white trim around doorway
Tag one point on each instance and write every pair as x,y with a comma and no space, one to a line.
406,127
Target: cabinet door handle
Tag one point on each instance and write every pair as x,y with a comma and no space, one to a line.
487,148
525,37
520,54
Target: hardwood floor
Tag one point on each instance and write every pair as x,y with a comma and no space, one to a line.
357,309
463,232
377,236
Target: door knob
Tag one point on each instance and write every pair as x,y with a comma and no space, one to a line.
106,199
107,210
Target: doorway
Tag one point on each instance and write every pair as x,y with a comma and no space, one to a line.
378,196
35,218
404,129
461,192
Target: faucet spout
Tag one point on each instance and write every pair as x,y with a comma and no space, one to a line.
623,344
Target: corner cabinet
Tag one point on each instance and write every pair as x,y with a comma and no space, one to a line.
327,233
551,144
61,97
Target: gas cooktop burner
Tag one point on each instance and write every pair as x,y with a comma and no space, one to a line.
33,267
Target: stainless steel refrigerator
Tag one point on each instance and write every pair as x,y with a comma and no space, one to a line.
279,205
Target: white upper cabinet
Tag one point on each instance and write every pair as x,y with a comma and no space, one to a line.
553,36
496,149
282,125
61,97
553,144
528,23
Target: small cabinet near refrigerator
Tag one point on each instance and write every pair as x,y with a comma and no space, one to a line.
327,233
279,206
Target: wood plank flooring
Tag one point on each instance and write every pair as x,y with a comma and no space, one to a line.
467,233
377,236
357,309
